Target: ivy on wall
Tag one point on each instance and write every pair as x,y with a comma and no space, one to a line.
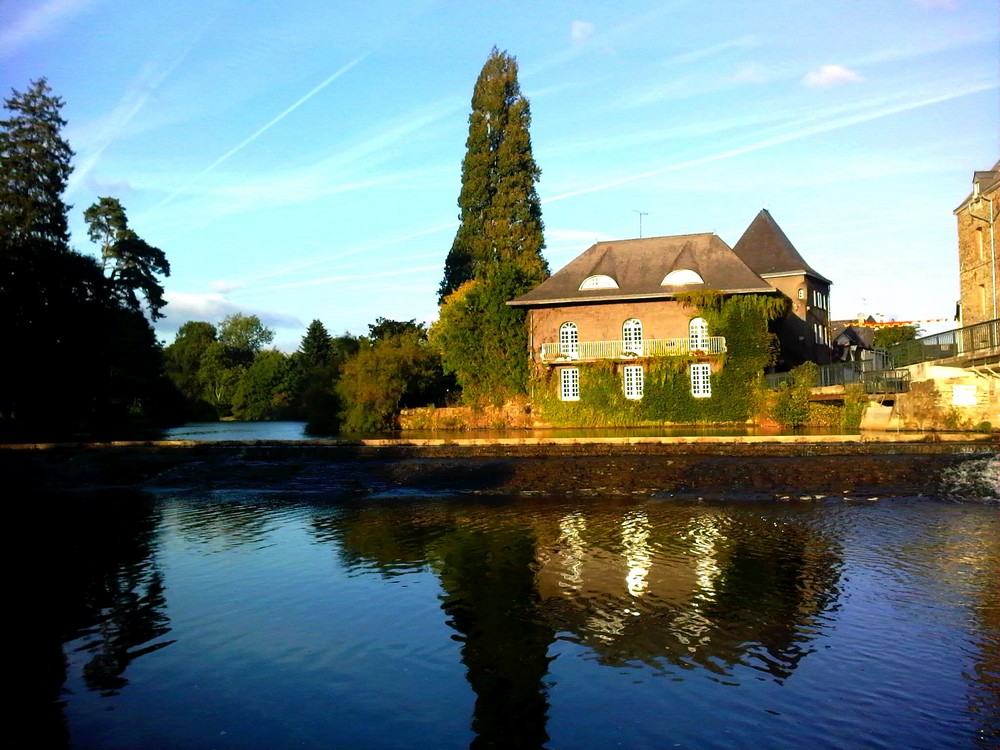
737,390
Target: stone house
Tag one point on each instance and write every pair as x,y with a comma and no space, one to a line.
618,301
977,250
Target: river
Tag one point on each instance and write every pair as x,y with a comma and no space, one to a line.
286,616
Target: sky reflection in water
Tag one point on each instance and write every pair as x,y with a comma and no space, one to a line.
255,619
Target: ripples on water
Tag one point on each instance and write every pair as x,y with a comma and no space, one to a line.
269,620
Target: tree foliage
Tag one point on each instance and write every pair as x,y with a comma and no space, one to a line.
35,164
132,264
388,374
316,347
887,336
500,212
266,389
244,336
88,364
498,246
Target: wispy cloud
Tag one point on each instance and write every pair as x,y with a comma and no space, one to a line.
821,124
93,140
41,20
581,32
350,277
260,131
936,4
830,75
711,51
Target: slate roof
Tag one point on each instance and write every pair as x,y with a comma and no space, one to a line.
638,266
858,335
988,181
766,249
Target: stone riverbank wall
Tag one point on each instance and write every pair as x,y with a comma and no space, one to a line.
770,468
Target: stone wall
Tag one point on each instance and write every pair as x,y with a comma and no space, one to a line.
977,260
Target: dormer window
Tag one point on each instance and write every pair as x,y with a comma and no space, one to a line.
680,277
600,281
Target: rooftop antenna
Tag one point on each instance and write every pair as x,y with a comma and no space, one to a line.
641,214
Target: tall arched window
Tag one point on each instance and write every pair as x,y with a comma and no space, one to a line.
698,335
632,337
568,340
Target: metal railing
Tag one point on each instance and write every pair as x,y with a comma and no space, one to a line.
838,373
886,381
970,341
591,350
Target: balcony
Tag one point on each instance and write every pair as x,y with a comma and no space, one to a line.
588,351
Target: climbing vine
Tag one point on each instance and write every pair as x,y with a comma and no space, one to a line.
737,389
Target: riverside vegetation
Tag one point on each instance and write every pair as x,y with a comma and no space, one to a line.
62,308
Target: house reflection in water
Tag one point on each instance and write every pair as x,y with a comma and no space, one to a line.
653,583
711,590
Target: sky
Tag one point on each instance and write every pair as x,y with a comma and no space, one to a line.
301,160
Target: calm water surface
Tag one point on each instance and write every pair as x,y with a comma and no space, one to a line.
271,431
239,619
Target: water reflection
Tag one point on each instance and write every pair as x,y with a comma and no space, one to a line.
698,588
653,584
734,595
100,587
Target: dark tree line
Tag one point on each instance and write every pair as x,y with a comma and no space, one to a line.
87,362
84,360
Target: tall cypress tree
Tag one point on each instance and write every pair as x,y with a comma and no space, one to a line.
501,215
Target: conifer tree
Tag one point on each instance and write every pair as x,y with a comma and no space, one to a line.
498,245
501,215
35,164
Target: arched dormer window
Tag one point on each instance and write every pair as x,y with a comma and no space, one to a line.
680,277
698,335
632,337
600,281
568,340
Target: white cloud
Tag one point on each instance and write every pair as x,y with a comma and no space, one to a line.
830,75
213,307
37,23
222,286
581,32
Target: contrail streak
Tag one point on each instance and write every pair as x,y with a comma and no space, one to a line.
774,141
250,139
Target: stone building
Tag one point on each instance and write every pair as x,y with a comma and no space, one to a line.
618,301
977,248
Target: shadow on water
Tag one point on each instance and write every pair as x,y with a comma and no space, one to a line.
94,577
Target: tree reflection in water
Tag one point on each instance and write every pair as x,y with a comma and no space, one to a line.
692,589
99,582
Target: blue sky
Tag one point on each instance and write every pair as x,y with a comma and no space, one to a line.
301,160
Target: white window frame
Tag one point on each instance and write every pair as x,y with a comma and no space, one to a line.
698,335
599,281
632,382
632,336
569,339
700,374
569,383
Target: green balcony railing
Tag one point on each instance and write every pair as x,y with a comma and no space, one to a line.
584,351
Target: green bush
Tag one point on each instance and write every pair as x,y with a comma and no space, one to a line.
791,407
